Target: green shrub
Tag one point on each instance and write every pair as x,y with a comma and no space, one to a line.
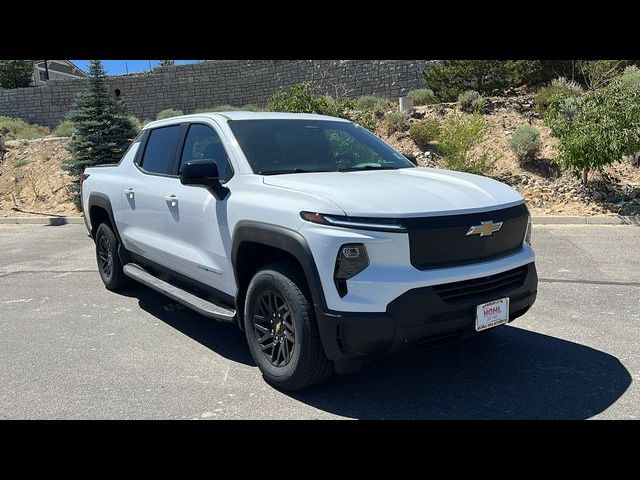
64,129
395,122
371,102
424,132
449,78
218,108
471,101
422,96
631,78
301,99
597,128
18,129
598,73
20,162
458,140
525,142
252,108
136,122
168,113
556,91
365,118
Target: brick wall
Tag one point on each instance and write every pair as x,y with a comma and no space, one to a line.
207,84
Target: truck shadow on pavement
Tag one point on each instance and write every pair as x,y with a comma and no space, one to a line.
223,338
506,373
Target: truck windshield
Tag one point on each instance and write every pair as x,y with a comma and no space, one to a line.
279,146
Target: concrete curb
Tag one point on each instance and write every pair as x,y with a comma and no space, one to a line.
40,220
537,220
585,220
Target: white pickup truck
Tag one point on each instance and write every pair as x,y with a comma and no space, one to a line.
319,240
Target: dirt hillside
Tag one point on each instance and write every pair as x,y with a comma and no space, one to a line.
32,181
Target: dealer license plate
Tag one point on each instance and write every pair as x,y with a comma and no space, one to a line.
492,314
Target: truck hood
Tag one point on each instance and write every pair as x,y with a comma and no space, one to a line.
404,192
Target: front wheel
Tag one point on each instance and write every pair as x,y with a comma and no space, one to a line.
281,329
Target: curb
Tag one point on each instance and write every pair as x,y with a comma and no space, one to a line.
537,220
40,220
585,220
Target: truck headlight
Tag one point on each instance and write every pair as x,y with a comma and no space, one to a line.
352,259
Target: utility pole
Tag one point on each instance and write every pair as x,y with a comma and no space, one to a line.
126,67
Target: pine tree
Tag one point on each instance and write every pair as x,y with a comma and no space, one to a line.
102,133
15,73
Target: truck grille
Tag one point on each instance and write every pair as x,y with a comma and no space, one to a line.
437,242
484,287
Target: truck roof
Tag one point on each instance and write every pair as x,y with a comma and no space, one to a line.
243,115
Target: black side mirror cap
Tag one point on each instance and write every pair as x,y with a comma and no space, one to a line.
203,173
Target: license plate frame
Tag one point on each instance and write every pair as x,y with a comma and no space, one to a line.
492,314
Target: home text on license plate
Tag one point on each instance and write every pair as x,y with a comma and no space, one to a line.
492,314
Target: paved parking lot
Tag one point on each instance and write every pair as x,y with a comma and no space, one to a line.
71,349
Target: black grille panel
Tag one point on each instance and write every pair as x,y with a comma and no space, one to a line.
485,287
437,242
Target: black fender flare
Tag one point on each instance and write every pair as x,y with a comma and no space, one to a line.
97,199
284,239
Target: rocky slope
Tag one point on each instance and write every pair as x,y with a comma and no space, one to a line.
32,181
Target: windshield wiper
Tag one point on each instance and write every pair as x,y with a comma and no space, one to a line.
290,170
367,167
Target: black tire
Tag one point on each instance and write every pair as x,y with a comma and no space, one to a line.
109,265
307,363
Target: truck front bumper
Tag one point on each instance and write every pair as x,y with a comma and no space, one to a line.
422,316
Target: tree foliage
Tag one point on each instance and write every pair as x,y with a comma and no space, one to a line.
599,127
301,99
15,73
102,133
167,63
449,78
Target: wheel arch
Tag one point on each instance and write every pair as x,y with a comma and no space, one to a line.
280,243
100,208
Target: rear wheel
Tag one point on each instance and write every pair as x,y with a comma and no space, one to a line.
281,329
109,265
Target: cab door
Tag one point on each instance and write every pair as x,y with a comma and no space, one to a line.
197,231
144,207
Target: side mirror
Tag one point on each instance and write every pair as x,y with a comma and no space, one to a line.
411,157
203,173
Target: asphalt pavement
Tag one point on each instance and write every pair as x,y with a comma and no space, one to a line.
70,349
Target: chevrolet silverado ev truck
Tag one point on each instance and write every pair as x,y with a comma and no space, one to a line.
320,241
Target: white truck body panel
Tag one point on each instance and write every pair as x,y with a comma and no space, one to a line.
193,234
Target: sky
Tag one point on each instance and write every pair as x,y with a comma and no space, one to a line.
120,67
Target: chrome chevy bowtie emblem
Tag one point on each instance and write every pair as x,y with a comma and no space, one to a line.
485,228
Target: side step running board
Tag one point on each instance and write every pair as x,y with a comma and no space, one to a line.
187,299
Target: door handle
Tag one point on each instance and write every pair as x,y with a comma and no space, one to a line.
129,192
172,199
